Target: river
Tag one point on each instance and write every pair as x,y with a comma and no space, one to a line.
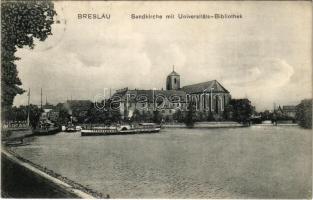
253,162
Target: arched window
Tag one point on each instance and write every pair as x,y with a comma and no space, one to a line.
175,80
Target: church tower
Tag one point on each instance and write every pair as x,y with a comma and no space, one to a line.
173,81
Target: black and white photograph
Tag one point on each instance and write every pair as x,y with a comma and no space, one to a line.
156,99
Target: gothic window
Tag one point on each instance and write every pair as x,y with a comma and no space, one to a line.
175,80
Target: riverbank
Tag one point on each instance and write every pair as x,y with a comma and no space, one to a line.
9,134
226,124
24,179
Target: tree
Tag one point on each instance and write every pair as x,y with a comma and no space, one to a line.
95,115
157,117
21,22
179,116
20,114
266,115
115,115
34,115
210,116
191,114
136,115
140,116
64,115
304,113
242,109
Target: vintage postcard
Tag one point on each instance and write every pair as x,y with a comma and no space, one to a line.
156,99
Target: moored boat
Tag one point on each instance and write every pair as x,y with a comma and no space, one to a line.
121,129
47,128
70,127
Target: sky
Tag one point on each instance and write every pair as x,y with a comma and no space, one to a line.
264,56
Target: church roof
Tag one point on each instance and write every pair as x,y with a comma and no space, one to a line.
173,73
205,87
152,94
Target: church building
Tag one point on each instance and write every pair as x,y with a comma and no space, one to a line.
209,97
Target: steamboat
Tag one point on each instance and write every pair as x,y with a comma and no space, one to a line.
70,127
121,129
47,128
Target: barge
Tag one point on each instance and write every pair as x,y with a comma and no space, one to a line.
121,129
47,128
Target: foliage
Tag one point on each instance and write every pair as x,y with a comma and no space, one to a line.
85,111
64,116
190,115
136,115
179,116
157,117
115,116
304,113
210,116
266,115
201,116
20,114
225,115
241,109
97,116
21,22
108,116
142,116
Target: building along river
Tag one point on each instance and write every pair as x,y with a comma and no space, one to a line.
253,162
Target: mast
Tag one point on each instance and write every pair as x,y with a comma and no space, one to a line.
28,106
274,107
40,98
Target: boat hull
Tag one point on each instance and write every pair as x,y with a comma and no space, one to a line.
96,132
71,130
49,131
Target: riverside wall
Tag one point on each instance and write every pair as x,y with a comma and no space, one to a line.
20,179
